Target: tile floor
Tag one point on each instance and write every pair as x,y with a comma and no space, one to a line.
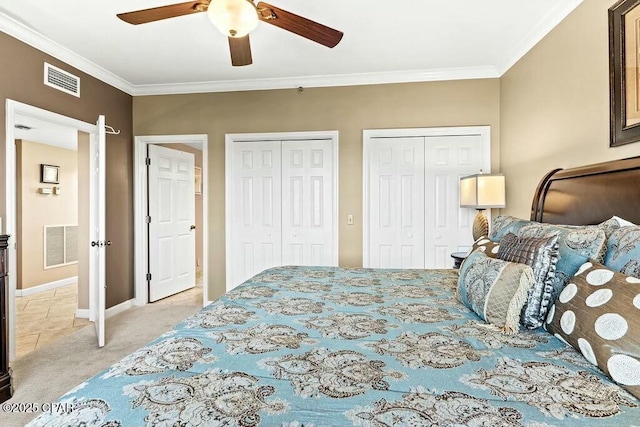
45,316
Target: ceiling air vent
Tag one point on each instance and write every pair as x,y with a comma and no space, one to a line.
61,80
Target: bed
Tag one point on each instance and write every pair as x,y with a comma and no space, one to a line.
324,346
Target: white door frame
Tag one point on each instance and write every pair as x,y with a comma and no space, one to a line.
140,192
368,134
12,109
232,138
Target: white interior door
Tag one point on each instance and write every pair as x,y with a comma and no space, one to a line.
172,248
256,203
447,226
307,200
396,203
97,282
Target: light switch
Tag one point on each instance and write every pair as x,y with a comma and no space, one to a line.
349,219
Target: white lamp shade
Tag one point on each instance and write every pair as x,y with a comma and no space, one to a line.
482,191
234,18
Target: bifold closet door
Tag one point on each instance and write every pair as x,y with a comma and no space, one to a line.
307,203
256,209
396,203
447,159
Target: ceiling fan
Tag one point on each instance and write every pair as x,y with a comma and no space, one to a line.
236,18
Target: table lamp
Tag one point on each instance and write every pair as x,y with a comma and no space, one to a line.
482,191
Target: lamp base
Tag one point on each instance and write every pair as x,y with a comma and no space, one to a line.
480,225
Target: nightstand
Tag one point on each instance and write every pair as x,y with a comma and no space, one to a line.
458,257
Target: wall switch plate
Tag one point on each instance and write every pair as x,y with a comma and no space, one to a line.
349,219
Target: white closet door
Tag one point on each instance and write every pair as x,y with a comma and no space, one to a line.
307,201
396,203
256,209
447,226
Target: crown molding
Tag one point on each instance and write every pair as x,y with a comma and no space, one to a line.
319,81
35,39
544,27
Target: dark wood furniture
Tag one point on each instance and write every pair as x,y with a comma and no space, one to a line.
589,194
5,375
458,257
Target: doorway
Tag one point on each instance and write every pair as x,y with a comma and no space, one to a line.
87,132
190,143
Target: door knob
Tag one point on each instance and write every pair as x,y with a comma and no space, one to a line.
193,227
409,235
108,242
294,234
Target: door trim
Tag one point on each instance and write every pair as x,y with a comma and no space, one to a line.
232,138
368,134
12,109
140,192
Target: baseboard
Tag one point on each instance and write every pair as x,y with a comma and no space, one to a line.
116,309
46,286
82,313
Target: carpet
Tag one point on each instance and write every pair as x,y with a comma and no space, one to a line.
45,374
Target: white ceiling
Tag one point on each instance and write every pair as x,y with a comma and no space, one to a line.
45,132
392,41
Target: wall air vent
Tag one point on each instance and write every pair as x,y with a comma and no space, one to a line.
61,80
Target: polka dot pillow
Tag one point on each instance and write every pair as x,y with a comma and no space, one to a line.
485,245
598,313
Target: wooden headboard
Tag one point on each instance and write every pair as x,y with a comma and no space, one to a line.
589,194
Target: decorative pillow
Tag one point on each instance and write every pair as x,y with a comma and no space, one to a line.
541,254
598,313
623,251
494,289
575,247
487,246
504,224
610,225
622,222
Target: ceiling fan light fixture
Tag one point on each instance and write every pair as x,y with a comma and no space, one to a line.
234,18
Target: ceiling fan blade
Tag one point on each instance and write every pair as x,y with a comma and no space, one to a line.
298,25
240,49
163,12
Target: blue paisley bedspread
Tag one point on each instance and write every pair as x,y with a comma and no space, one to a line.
316,346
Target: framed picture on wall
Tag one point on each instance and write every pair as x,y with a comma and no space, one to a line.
197,174
49,174
624,72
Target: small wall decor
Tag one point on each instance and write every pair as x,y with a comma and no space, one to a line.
49,174
197,174
624,72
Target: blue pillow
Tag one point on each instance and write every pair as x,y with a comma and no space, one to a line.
623,251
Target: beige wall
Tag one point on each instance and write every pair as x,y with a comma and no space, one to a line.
84,171
555,105
21,79
37,210
198,201
349,110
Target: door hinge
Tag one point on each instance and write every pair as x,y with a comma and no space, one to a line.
148,276
147,161
148,219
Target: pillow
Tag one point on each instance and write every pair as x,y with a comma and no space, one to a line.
494,289
622,222
541,254
598,313
487,246
504,224
623,251
609,226
575,247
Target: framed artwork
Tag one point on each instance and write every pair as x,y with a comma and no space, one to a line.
624,72
197,174
49,174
